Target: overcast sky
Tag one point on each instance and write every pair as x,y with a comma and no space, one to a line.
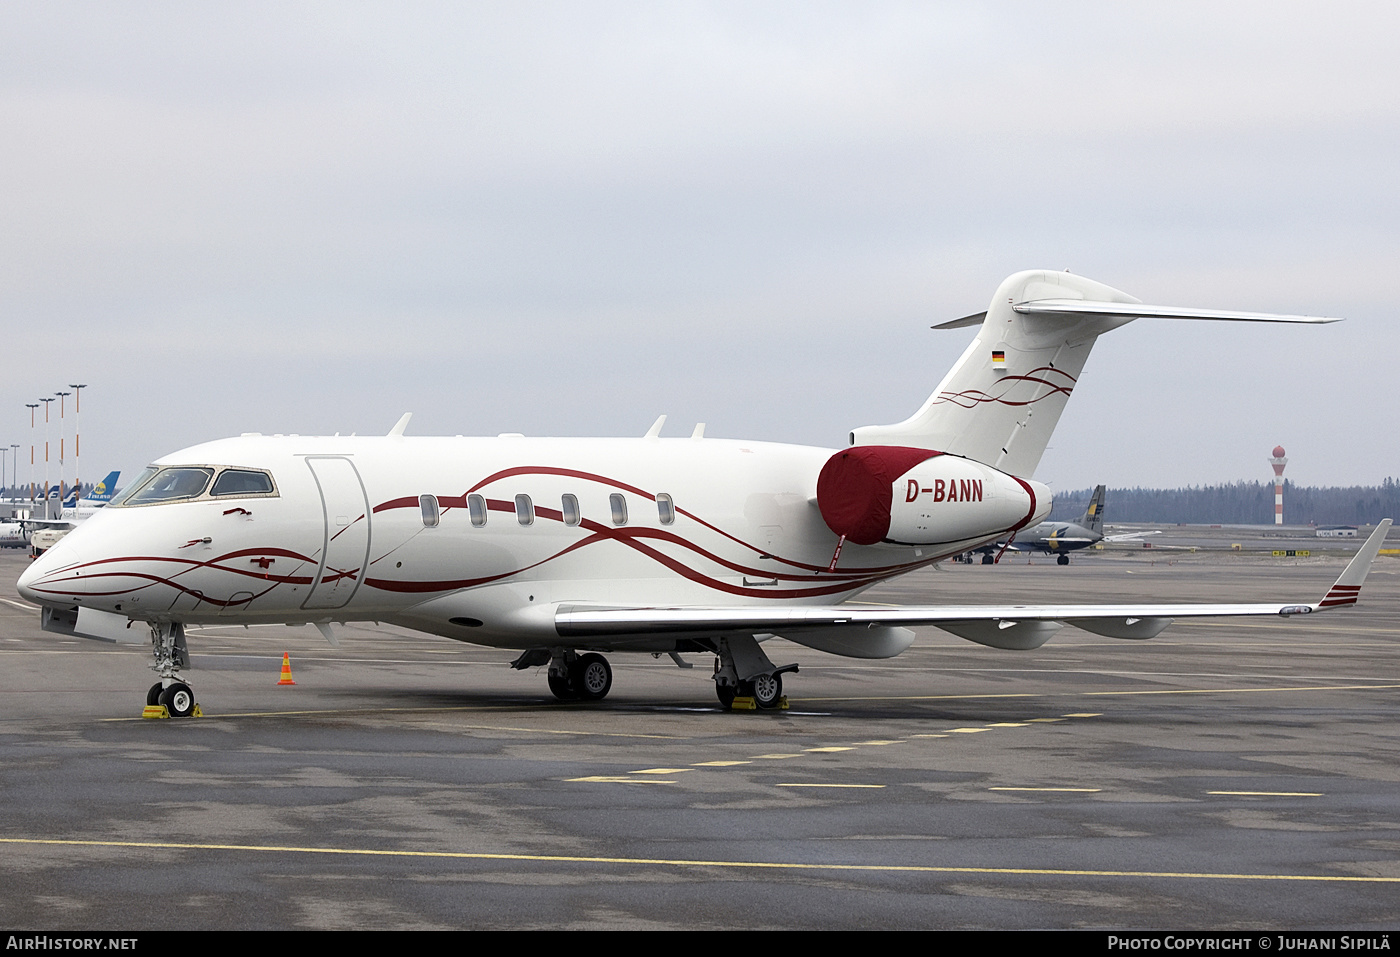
568,218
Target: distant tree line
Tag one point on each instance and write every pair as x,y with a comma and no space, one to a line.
1240,503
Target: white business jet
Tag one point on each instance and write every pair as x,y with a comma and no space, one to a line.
564,548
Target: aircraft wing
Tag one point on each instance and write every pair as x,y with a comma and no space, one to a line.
1010,626
1131,536
1035,544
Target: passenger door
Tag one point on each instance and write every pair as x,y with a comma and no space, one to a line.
345,546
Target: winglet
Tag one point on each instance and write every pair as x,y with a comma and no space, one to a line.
401,425
1348,586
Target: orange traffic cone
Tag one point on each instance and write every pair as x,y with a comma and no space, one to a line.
286,670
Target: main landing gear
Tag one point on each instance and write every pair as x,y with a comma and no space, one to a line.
1061,559
575,677
170,696
744,673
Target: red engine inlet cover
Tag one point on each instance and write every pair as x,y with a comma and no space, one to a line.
856,488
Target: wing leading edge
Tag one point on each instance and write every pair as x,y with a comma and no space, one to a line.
1016,627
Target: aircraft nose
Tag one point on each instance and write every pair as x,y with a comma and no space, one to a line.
29,585
31,574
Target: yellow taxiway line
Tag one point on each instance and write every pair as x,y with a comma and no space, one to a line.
685,863
1095,694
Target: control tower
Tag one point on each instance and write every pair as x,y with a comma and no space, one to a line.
1278,462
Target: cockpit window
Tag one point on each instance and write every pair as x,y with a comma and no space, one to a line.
241,482
183,483
169,485
134,486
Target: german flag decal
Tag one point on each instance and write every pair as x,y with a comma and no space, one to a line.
998,359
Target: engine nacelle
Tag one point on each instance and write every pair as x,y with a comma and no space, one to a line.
887,493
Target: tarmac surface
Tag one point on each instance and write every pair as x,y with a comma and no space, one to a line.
1228,774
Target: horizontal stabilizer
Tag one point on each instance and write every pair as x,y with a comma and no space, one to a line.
973,320
1081,307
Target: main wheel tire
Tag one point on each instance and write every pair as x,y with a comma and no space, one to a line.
153,696
1062,560
767,689
593,677
562,687
987,560
726,695
178,700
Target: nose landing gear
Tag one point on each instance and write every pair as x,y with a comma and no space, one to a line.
170,697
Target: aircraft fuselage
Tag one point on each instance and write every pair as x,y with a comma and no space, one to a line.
480,539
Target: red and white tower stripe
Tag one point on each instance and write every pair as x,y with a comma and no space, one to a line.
1278,462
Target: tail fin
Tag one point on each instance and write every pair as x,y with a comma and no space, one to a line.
1001,400
1093,515
103,490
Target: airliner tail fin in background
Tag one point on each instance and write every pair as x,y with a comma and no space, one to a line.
1092,519
105,489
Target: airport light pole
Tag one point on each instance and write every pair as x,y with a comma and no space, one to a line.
2,471
31,406
62,442
14,458
46,402
77,428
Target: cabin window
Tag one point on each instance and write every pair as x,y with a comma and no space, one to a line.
429,505
476,508
524,510
619,508
241,482
665,508
572,515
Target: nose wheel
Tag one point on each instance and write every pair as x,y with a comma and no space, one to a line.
178,700
169,697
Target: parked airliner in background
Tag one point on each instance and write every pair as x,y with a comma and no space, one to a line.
1060,538
44,533
102,492
13,535
565,548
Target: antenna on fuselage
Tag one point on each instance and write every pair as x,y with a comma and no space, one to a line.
401,425
655,430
